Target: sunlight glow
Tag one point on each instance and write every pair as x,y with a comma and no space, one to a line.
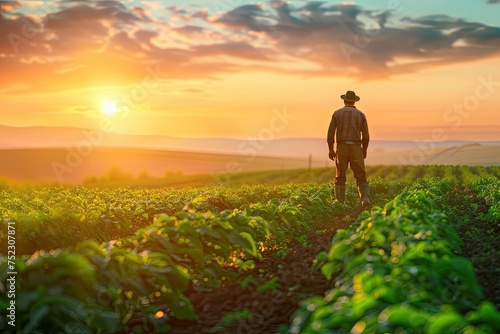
109,108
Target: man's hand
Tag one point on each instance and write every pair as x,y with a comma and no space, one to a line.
332,154
364,145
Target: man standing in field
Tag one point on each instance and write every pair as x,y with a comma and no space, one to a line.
350,128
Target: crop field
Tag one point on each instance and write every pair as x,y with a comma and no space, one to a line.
268,252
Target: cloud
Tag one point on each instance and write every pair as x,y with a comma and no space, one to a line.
192,90
8,6
177,10
346,35
81,109
245,16
71,47
201,14
111,11
93,43
236,50
189,30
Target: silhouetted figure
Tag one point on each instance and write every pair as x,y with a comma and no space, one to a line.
349,129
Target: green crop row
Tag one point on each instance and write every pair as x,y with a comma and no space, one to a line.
489,189
139,282
303,175
53,217
49,218
397,272
135,274
461,174
105,288
143,249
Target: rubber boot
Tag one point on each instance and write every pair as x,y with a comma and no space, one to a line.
340,193
364,194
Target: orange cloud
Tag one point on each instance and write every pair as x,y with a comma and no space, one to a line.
79,45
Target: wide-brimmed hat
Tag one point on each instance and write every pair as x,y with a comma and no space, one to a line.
350,96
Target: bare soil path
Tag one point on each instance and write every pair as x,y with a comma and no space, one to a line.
273,308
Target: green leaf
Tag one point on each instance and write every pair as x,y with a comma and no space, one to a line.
247,280
329,269
446,322
249,243
36,316
270,285
107,321
406,316
183,309
339,250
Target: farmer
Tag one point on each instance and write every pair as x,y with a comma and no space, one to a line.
350,129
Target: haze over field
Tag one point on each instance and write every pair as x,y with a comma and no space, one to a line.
71,155
244,81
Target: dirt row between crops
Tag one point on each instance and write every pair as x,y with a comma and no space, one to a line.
481,245
481,240
270,309
483,250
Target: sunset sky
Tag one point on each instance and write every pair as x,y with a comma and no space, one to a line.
232,68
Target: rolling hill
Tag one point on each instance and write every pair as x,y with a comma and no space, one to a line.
70,154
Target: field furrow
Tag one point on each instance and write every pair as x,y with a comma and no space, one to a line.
262,258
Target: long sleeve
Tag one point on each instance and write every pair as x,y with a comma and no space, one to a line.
331,131
365,135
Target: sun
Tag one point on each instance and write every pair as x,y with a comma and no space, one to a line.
109,108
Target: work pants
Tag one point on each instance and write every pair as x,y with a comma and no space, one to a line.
350,154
